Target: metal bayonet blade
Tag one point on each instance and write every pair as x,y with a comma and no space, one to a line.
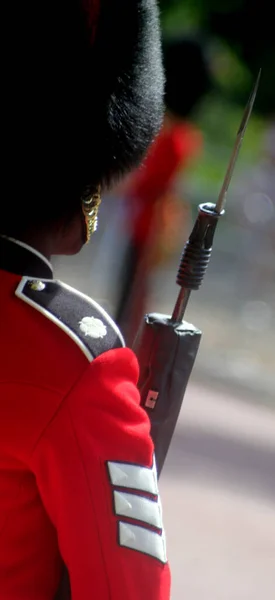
240,135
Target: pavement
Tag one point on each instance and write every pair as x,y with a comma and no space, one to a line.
218,495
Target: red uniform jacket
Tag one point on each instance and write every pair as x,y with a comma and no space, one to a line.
77,476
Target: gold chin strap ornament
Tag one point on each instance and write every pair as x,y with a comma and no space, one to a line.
90,206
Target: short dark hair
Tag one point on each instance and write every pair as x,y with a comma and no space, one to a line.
74,114
187,73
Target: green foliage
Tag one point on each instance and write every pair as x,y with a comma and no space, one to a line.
219,123
240,38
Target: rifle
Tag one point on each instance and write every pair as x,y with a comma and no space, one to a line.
167,346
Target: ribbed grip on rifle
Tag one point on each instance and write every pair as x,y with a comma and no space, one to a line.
197,252
193,266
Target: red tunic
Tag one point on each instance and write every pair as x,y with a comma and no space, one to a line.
77,481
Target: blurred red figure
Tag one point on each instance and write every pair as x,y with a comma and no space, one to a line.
155,214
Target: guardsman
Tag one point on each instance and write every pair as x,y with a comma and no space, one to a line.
82,95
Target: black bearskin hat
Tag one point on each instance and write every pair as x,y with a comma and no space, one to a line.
82,99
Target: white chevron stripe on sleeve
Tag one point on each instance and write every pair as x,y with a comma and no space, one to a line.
142,540
133,477
139,508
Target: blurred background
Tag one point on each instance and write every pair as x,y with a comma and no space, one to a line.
218,485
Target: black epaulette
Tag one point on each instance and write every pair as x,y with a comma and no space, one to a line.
80,317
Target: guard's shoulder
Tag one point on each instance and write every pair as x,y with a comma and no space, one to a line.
80,317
